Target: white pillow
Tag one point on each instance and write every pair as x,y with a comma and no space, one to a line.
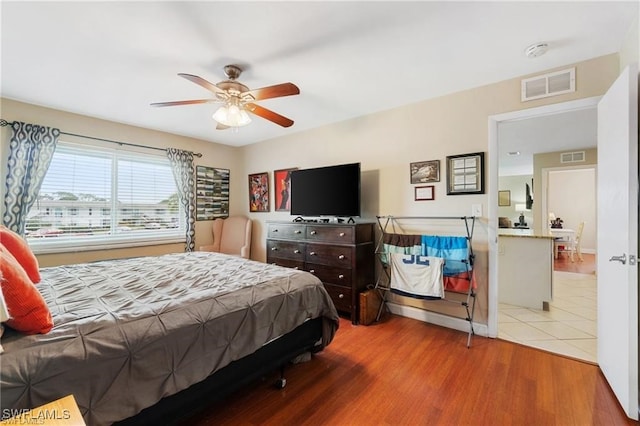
4,315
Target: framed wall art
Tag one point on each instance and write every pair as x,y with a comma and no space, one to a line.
425,171
465,174
259,192
282,189
212,193
504,198
426,192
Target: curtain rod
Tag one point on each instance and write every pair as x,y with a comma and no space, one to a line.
4,123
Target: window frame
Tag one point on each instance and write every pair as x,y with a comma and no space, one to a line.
118,240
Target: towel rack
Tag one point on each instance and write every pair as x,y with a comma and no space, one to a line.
387,224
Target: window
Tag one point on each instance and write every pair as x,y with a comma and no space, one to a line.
135,194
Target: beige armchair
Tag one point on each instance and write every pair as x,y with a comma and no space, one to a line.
231,236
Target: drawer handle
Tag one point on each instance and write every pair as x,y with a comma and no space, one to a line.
313,253
341,296
342,234
313,271
341,257
314,232
275,230
296,251
274,248
297,231
340,276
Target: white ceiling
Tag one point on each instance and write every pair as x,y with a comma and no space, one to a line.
565,131
112,59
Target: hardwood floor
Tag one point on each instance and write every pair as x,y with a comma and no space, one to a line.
587,266
406,372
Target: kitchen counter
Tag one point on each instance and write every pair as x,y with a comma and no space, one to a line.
519,232
525,269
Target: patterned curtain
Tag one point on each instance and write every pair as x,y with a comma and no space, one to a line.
30,152
183,173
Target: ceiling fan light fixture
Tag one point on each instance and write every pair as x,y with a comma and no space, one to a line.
232,116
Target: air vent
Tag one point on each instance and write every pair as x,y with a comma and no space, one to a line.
572,157
551,84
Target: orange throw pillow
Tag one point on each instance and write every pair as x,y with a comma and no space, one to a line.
28,311
19,248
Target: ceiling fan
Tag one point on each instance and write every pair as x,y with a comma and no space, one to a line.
237,99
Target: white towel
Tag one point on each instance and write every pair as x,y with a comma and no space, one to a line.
414,275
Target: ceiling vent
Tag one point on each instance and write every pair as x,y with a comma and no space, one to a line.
551,84
573,157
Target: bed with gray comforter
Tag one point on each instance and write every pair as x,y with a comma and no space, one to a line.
129,332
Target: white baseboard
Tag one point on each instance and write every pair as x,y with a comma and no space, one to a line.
437,319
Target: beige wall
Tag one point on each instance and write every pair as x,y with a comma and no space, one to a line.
213,155
384,143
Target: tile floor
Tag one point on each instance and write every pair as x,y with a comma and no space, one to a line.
568,328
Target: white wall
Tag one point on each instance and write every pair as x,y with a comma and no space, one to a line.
572,197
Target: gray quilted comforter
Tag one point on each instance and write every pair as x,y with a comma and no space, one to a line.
129,332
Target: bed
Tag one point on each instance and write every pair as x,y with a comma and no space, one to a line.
131,336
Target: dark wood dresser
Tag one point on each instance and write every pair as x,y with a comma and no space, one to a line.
341,255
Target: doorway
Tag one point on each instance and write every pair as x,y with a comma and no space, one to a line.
494,123
569,326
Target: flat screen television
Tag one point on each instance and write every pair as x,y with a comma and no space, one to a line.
326,191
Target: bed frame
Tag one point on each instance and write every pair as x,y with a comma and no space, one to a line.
275,355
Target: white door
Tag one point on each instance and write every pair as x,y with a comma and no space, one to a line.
618,238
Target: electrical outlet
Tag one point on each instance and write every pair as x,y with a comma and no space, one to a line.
476,210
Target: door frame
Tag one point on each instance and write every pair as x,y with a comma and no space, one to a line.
544,190
492,187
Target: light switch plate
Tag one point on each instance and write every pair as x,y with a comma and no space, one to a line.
476,210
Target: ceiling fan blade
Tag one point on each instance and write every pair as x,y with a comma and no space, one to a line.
202,82
191,102
221,126
277,91
269,115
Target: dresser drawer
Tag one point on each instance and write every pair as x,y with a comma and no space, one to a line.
341,297
287,263
288,231
286,250
330,274
330,234
330,255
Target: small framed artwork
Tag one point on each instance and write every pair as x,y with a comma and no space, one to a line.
504,198
424,193
465,174
282,189
425,171
259,192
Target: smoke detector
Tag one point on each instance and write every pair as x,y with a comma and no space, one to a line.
536,49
